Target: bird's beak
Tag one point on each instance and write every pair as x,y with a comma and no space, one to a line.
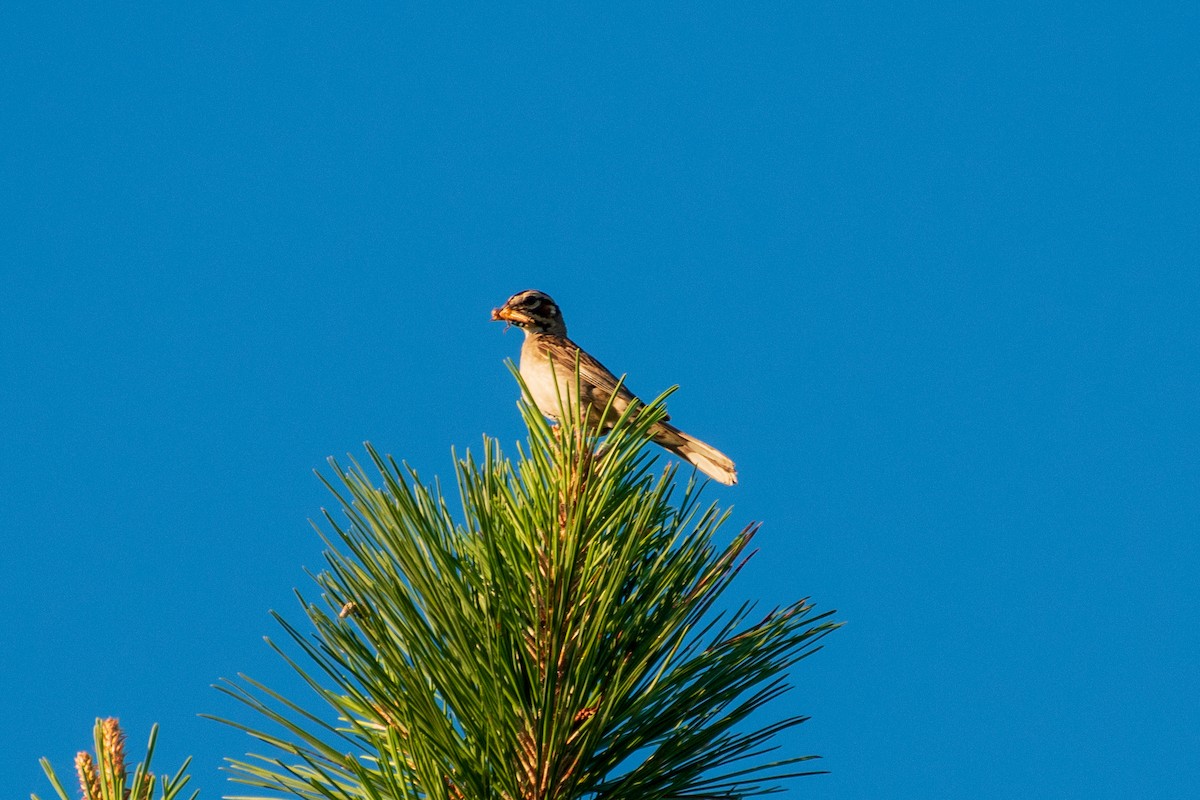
508,315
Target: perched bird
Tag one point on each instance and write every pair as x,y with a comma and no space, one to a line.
548,369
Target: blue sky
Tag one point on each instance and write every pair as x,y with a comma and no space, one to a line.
927,272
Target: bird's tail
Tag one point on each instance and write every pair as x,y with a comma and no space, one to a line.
709,460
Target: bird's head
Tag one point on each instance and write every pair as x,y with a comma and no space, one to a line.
533,312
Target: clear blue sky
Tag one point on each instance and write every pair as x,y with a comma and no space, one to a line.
929,273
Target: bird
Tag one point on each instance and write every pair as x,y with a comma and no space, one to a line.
548,361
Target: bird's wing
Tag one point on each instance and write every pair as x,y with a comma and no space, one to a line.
597,384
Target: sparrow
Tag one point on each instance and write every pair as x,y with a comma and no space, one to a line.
548,360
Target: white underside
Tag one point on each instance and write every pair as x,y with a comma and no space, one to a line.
541,379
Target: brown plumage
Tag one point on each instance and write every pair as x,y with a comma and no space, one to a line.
548,360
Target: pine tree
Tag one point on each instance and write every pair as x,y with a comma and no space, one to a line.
105,775
557,636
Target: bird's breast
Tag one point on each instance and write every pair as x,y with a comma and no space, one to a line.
546,383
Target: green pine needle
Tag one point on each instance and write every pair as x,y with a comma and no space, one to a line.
554,637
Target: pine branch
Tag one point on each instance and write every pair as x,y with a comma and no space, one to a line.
556,638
